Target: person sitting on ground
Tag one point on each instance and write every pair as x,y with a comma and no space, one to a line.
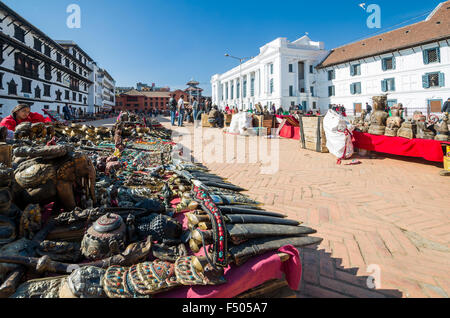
20,114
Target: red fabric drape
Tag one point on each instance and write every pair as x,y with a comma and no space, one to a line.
290,132
430,150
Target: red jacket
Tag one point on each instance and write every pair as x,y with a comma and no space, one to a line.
10,123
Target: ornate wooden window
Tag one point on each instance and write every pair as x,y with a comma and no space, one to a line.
19,33
12,88
48,72
58,94
48,51
1,52
47,90
26,85
37,45
37,92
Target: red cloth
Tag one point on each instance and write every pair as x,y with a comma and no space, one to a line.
292,267
430,150
290,132
10,123
253,273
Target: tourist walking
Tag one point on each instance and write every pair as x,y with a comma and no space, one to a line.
195,108
173,109
180,111
66,112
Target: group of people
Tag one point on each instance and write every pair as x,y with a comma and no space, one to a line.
70,113
181,111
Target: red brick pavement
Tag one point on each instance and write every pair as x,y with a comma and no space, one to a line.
386,213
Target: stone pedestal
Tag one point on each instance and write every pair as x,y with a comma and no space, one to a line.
391,132
377,129
406,130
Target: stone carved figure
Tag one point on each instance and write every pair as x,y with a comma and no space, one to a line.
394,122
41,180
423,128
442,129
360,122
407,130
379,116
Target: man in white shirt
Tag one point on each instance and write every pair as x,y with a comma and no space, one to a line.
180,111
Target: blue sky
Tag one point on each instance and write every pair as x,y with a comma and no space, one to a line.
168,42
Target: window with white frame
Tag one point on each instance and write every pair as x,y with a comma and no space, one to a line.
271,68
271,86
388,63
291,90
355,69
388,85
436,79
355,88
291,68
331,91
431,56
331,75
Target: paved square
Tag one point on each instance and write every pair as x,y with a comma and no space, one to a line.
387,218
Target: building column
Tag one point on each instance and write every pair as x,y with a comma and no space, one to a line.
295,84
280,82
307,77
249,84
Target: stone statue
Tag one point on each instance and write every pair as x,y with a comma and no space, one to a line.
407,130
442,129
394,122
423,128
379,116
360,123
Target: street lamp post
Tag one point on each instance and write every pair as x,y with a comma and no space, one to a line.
241,60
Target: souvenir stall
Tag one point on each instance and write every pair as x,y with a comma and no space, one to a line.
116,205
421,136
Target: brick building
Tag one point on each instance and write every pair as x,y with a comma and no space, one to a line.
142,101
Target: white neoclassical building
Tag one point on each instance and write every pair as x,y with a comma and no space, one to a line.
411,65
282,74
